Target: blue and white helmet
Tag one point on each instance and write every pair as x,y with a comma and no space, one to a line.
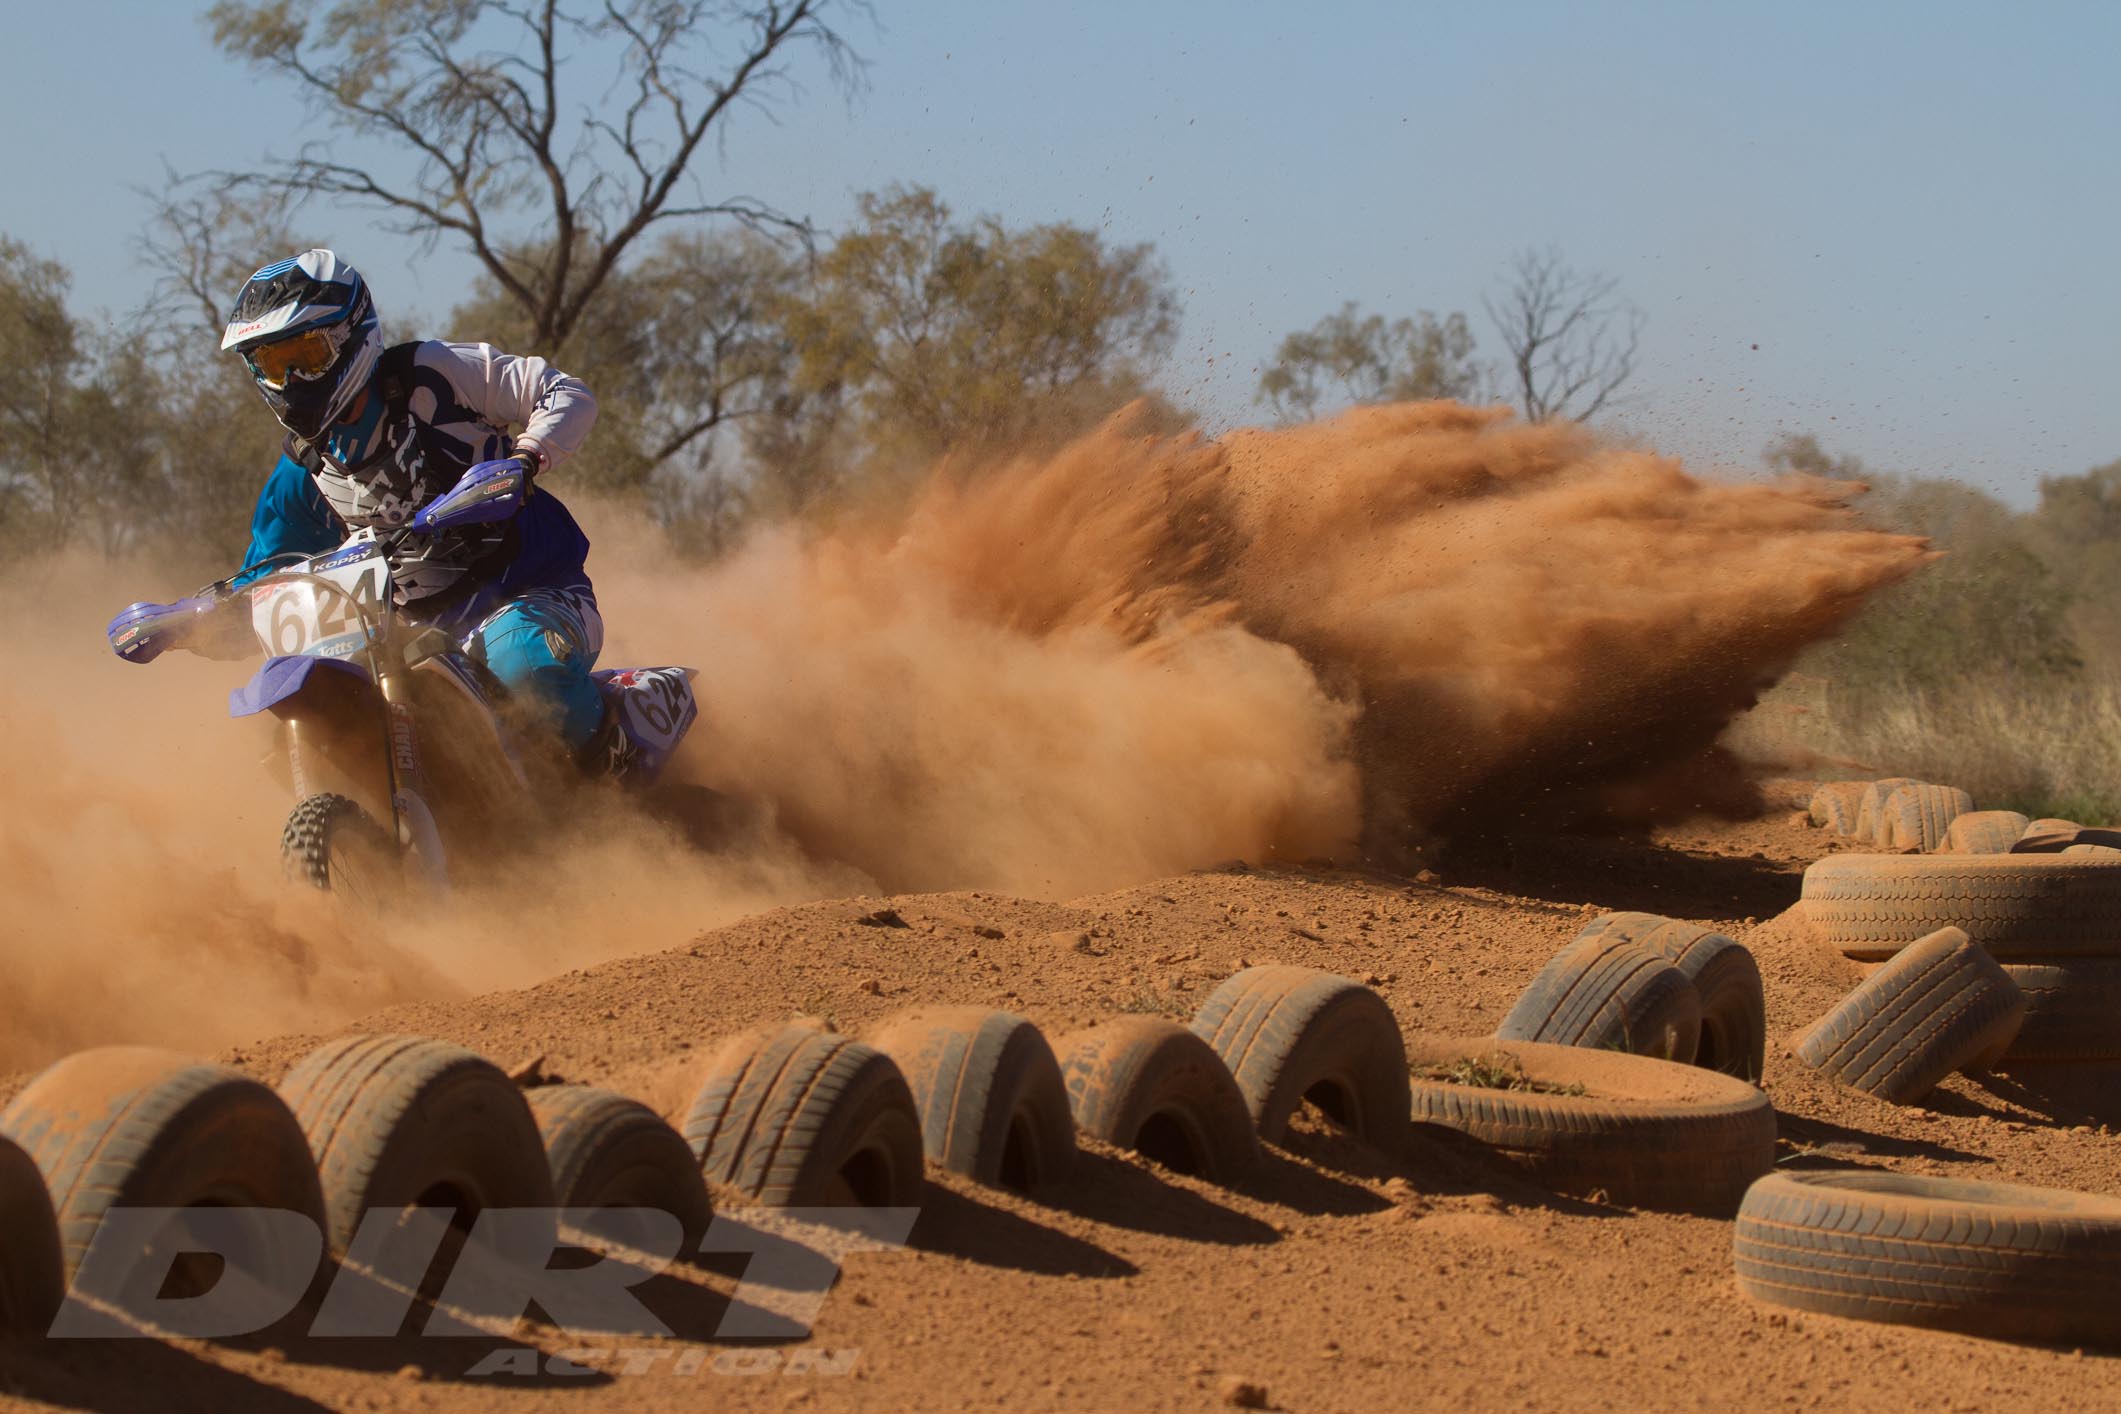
307,329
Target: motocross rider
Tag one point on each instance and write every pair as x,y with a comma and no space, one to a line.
374,433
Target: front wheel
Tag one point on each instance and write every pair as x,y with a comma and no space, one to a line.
331,842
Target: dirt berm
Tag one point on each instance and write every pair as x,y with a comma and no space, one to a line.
1337,1279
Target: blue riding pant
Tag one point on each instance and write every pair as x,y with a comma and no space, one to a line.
541,645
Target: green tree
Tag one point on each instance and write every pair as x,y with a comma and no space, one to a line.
2082,510
932,334
1992,606
1363,359
2077,527
547,139
1800,453
681,345
87,426
42,487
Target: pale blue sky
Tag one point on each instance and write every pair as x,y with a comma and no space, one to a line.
1909,207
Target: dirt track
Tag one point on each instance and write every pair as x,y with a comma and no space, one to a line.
1338,1279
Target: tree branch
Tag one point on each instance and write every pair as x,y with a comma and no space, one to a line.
486,128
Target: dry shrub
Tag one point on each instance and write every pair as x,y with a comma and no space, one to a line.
2049,748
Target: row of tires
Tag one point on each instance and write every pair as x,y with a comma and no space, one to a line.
1897,813
1903,814
804,1117
789,1116
2051,921
801,1117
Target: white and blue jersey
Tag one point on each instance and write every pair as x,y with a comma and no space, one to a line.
434,410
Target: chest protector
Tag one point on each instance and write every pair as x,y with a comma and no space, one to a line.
425,441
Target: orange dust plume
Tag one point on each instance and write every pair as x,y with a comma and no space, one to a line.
1145,654
1052,675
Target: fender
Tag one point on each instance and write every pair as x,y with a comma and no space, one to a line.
279,679
648,711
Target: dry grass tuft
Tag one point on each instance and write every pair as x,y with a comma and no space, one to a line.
2041,748
1496,1071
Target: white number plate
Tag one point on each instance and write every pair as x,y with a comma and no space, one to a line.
307,620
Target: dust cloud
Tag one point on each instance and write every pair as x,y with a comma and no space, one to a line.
1146,654
141,897
1052,676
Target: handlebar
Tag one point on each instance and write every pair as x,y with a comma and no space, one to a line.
488,492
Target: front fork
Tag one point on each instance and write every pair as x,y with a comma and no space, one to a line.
412,822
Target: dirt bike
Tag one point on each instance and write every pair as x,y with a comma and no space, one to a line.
383,718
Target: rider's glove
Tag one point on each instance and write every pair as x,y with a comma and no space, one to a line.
142,632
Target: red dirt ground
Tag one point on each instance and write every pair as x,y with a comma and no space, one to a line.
1337,1279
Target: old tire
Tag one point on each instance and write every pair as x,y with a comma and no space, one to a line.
1988,1259
32,1270
138,1127
1645,1133
400,1121
2050,826
333,844
610,1153
1834,806
1941,1005
2014,905
1292,1034
2072,1010
1984,832
1152,1086
1873,826
1609,994
989,1092
798,1118
1733,1002
1919,815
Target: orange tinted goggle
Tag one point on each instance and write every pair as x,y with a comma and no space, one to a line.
303,356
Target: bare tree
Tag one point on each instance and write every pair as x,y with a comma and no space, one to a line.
682,342
202,242
473,102
1571,339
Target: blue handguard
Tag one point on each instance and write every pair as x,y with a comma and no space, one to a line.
488,492
142,632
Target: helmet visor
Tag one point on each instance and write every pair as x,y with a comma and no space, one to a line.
304,355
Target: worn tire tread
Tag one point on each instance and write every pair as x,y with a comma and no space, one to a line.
1988,1259
1283,1031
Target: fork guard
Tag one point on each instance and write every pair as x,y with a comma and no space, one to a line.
279,679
